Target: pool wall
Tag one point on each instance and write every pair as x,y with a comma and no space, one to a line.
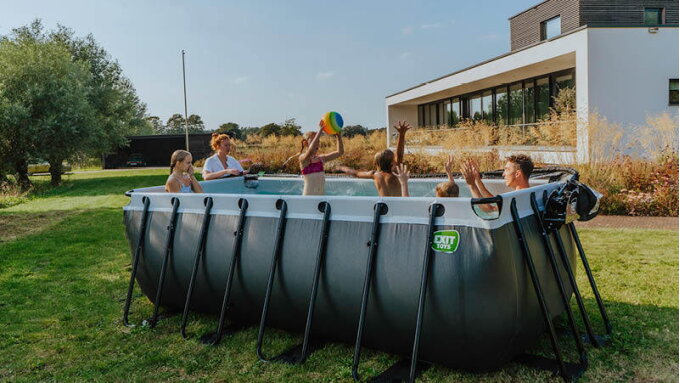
480,311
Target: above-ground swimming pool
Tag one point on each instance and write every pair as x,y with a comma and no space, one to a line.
424,276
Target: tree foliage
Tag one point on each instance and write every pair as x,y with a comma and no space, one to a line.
61,96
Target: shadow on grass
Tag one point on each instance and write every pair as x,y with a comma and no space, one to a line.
61,298
103,185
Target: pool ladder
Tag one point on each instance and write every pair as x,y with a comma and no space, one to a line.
568,371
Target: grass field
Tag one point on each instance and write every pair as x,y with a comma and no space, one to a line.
65,264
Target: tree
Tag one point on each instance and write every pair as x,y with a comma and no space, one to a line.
195,124
232,129
290,128
119,111
110,112
175,124
352,130
156,124
269,129
44,98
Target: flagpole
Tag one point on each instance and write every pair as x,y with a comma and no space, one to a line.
186,116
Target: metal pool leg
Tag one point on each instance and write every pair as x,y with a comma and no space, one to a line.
138,253
572,280
200,248
283,207
537,288
378,210
435,211
591,279
236,253
291,355
556,272
169,244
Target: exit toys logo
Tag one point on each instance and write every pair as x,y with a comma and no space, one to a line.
445,241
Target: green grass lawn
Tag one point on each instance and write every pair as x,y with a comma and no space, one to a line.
65,264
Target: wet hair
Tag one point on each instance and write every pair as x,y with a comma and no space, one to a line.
217,139
384,160
526,165
446,189
177,156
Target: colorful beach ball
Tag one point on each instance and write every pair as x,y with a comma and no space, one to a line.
332,123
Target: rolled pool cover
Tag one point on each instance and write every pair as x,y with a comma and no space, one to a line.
480,309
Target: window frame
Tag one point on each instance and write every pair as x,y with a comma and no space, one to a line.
670,81
544,27
661,19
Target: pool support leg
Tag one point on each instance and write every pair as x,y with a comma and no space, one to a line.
169,246
537,288
135,263
563,294
200,249
280,229
577,294
291,355
436,210
591,279
236,253
378,209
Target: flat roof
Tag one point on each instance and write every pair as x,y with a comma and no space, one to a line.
493,59
528,9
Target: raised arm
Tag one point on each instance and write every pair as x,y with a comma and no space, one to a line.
356,173
339,151
401,127
478,180
449,168
402,175
305,157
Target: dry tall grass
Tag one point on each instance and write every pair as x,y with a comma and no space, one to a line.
636,168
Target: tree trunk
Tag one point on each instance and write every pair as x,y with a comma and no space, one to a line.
55,172
21,169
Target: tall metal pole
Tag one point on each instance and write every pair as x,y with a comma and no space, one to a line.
186,116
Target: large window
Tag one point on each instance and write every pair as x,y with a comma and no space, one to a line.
476,107
522,102
673,91
516,104
453,112
653,16
542,97
551,28
487,106
529,102
502,106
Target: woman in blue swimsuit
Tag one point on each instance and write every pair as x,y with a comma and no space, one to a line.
182,179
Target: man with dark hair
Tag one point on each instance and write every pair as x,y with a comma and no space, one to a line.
516,173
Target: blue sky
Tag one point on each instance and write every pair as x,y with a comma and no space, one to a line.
255,62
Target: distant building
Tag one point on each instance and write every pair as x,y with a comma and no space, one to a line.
621,56
156,150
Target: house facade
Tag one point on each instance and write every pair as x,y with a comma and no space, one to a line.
621,58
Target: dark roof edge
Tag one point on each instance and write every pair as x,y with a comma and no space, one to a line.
493,59
528,9
169,135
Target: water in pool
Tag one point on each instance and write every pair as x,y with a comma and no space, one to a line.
338,187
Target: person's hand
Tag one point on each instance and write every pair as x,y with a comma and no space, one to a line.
402,127
475,170
468,173
190,171
449,165
402,173
233,172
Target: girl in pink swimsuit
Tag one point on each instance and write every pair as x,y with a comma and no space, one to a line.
311,164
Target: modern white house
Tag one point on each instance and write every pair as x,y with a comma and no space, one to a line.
620,56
